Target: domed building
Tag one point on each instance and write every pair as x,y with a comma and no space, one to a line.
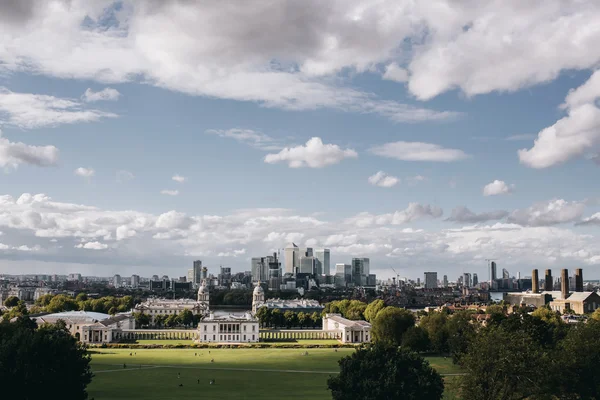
304,305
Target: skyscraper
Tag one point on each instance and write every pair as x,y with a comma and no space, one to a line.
117,281
344,271
323,255
475,280
360,270
292,259
197,278
307,265
505,274
467,280
493,271
431,280
445,281
135,281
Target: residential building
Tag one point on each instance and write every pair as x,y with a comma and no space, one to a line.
117,281
431,280
74,277
505,274
135,281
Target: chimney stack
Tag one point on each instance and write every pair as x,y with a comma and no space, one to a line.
579,280
535,281
548,283
564,283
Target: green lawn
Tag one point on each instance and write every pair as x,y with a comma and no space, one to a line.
239,373
189,342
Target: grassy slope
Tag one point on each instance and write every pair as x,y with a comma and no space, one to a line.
162,383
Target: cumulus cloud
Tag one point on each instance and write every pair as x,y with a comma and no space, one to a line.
106,94
92,246
553,212
29,111
169,192
417,151
314,154
13,154
573,135
463,215
383,180
497,187
593,220
413,212
85,172
124,176
393,72
179,178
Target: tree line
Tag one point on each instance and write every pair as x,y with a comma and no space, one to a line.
185,318
275,318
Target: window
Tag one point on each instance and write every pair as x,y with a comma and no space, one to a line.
244,328
244,337
204,328
214,328
253,328
204,337
252,337
228,337
214,337
220,337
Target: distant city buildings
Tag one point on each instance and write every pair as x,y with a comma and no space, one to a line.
445,281
135,281
117,282
431,280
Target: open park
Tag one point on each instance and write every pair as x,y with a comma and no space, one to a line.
255,373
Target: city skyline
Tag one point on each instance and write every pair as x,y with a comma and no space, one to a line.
407,135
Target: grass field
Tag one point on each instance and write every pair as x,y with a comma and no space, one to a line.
188,342
250,374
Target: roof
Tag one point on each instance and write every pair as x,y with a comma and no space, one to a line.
573,296
347,322
115,319
77,317
291,245
293,304
247,317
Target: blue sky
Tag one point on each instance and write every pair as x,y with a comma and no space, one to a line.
137,97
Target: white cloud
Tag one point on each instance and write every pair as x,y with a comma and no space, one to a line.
463,214
13,154
573,135
553,212
497,187
248,136
417,151
106,94
314,154
29,111
85,172
413,212
593,220
92,246
179,178
234,253
383,180
525,136
393,72
124,176
169,192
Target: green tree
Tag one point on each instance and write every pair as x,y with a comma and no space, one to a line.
264,315
17,311
141,320
373,308
461,332
112,311
44,300
11,301
355,310
503,365
186,317
61,303
416,339
595,315
81,297
316,319
379,372
390,324
41,360
435,326
302,319
159,320
277,318
172,320
290,319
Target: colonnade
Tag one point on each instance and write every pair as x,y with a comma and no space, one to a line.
282,334
159,334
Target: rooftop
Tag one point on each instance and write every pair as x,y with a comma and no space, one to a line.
230,318
347,322
77,317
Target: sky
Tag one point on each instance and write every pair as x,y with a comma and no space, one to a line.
138,136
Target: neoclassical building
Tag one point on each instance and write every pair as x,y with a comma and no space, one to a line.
156,307
349,331
228,329
304,305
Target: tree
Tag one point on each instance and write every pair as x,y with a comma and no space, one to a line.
390,324
264,315
435,326
290,318
460,332
171,320
378,371
416,339
502,365
61,303
81,297
17,311
186,317
595,314
44,300
141,319
372,309
316,319
159,320
39,361
302,318
276,318
11,301
112,311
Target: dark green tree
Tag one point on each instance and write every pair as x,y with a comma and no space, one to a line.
264,315
316,319
373,308
290,319
38,361
378,372
460,331
390,325
61,303
416,339
17,311
11,301
186,318
435,326
141,320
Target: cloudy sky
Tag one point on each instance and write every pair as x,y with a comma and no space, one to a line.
426,135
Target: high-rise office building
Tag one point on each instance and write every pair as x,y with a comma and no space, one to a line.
467,280
224,277
260,269
135,281
360,270
505,274
323,255
431,280
307,265
117,281
475,280
204,274
493,271
292,259
190,275
197,276
344,272
445,281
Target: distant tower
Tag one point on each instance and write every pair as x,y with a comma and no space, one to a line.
535,281
258,298
493,270
203,295
579,280
445,281
475,280
548,283
564,283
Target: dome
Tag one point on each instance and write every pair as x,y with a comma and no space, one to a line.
258,289
202,289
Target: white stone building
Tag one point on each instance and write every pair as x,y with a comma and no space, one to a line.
228,329
155,307
350,331
304,305
90,327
